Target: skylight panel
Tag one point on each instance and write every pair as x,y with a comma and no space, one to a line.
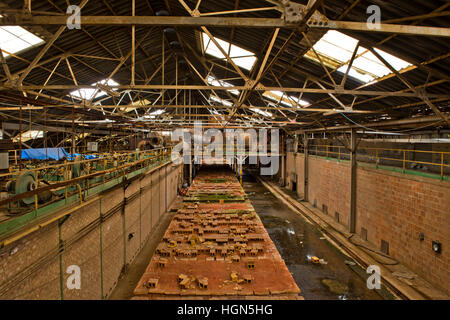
261,112
362,76
336,48
157,112
152,115
29,135
280,97
88,93
214,112
221,101
220,83
241,57
14,39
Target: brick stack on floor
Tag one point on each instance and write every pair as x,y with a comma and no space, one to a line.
216,247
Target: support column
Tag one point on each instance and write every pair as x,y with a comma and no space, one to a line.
165,187
101,247
283,161
190,170
305,166
353,147
151,202
240,172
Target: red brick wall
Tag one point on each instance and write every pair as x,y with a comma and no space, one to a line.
295,164
391,206
329,184
396,208
30,267
300,170
17,281
290,163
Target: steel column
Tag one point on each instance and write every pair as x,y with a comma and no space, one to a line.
305,166
353,147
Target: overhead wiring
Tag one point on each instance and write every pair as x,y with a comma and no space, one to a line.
389,132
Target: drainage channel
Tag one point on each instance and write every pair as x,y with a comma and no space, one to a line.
335,277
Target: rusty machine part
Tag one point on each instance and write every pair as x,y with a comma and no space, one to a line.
153,141
25,182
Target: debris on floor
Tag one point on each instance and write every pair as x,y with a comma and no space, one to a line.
335,286
314,259
217,227
404,275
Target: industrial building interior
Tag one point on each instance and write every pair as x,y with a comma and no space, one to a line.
227,150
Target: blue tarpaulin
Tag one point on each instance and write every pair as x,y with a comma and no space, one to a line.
85,157
44,154
71,157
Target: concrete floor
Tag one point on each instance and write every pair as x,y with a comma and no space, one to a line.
296,241
130,278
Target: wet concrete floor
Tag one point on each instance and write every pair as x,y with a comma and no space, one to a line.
297,241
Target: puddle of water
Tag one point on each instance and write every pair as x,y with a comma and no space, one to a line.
298,243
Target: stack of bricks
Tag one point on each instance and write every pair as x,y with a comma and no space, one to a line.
216,247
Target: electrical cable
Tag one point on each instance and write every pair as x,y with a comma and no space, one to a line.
392,132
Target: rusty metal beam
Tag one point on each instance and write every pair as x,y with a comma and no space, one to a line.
258,88
227,22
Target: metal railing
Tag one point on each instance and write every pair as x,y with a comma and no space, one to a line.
386,156
14,156
106,165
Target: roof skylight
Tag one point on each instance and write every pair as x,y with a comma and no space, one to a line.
336,49
29,135
220,83
14,39
88,93
261,112
220,100
281,97
157,112
152,115
241,57
214,112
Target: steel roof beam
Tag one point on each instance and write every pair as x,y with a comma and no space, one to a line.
228,22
